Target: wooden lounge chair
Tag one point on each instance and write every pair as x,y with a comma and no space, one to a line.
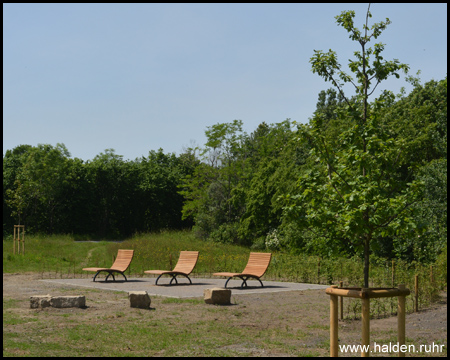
185,265
256,267
122,263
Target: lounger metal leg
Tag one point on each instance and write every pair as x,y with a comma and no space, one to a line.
156,282
244,281
107,276
185,277
110,274
174,277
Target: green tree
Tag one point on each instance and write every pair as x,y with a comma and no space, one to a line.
421,119
430,214
356,195
208,192
328,104
160,177
77,209
13,206
105,174
38,185
272,168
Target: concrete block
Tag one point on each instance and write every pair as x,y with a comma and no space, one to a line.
139,299
40,301
43,301
218,296
68,301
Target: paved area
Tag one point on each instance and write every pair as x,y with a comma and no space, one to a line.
184,289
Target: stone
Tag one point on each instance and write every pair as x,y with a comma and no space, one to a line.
139,299
43,301
68,301
218,296
40,301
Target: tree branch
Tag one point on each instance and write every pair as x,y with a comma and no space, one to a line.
378,82
393,217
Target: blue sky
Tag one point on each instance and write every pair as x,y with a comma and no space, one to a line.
139,77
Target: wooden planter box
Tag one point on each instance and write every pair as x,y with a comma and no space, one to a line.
365,294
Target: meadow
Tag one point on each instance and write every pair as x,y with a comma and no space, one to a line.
273,324
63,256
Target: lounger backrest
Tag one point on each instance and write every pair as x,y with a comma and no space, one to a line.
123,260
257,264
186,262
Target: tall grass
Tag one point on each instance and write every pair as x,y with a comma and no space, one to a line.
45,253
63,256
161,251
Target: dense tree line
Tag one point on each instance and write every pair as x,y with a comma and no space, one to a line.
248,188
239,188
107,197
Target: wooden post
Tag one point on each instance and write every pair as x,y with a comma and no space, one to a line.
14,241
341,298
365,322
334,325
365,294
401,321
19,237
416,292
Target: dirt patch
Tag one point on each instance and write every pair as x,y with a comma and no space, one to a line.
290,323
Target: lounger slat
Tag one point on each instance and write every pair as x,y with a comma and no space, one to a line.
257,264
185,265
186,262
256,267
122,262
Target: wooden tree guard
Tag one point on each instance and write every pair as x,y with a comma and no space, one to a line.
19,237
365,295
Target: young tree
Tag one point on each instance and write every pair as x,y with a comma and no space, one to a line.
356,195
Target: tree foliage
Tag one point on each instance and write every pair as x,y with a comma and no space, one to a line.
107,197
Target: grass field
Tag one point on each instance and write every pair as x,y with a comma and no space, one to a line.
63,256
278,324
